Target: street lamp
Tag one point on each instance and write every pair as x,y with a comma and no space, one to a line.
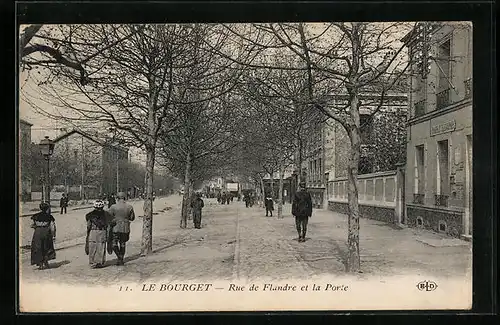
47,149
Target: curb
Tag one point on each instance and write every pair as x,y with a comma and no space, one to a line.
55,212
72,209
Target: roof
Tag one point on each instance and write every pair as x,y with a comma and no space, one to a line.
25,122
88,136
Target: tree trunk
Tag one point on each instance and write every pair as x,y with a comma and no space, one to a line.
147,220
263,192
353,258
191,194
280,194
186,196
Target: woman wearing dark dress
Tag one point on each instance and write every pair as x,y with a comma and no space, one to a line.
42,244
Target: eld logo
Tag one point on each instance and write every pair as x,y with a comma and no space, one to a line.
427,286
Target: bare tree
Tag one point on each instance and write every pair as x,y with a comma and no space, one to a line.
346,58
57,45
132,91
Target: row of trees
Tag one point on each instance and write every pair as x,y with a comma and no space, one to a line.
199,98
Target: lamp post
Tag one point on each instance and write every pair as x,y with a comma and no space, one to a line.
47,149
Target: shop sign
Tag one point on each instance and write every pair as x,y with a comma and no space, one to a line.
443,127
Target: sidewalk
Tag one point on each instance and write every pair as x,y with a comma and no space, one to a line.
71,227
384,250
27,209
177,253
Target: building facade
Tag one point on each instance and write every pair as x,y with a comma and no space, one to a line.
87,167
383,137
439,152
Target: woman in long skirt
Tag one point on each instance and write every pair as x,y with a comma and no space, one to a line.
42,244
98,222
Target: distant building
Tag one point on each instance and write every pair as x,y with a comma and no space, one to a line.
88,166
439,155
383,145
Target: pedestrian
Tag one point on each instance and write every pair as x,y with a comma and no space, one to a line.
63,203
122,214
219,197
111,200
42,243
197,204
98,229
269,206
246,198
302,210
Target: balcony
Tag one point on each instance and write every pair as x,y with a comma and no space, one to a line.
419,108
418,198
443,99
468,88
441,200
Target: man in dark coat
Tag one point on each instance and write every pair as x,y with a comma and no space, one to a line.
63,204
246,198
269,206
197,204
122,214
111,200
302,210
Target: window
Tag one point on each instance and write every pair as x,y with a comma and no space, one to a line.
418,191
419,169
443,177
443,173
443,62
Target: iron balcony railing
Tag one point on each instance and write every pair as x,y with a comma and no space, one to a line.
441,200
468,88
419,108
443,99
418,198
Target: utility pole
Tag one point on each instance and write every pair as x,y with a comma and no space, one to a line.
117,172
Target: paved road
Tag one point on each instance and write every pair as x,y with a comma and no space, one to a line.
241,243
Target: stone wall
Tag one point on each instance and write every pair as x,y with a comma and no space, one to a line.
431,219
366,211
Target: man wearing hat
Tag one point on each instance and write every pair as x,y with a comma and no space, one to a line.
123,214
302,210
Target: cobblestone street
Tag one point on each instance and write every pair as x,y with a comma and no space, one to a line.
241,243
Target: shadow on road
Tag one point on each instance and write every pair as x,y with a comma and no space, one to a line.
58,264
126,259
340,253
